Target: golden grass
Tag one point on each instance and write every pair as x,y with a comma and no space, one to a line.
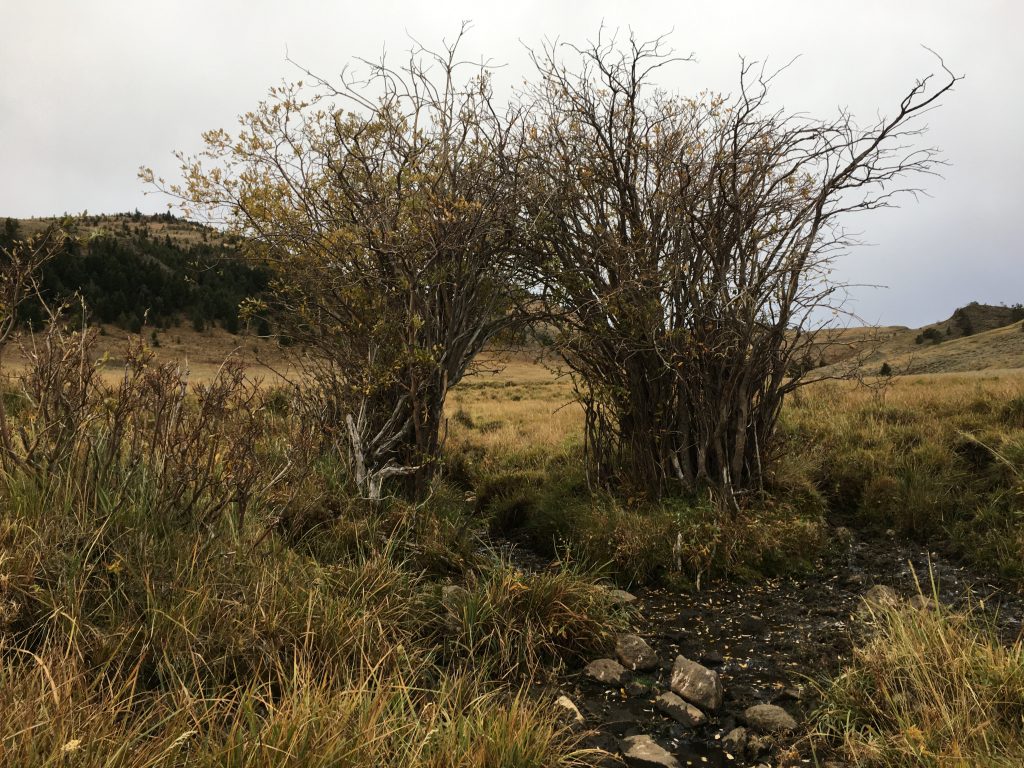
520,407
201,354
928,688
128,640
996,350
524,403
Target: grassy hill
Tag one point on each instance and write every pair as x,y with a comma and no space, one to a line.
128,226
975,337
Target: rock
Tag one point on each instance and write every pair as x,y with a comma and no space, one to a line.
607,671
569,710
769,718
698,685
881,596
735,742
635,654
645,752
621,597
679,710
620,721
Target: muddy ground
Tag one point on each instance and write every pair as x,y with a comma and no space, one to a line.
768,641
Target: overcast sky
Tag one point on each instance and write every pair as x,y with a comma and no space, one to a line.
89,91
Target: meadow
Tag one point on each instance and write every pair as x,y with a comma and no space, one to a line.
187,579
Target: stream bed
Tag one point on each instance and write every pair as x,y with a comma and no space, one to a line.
767,641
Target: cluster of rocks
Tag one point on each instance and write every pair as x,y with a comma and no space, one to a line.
695,694
656,706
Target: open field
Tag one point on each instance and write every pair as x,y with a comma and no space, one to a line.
200,354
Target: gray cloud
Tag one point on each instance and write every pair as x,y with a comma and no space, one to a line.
90,91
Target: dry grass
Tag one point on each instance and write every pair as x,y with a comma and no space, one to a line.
928,688
200,354
181,232
318,630
519,409
156,611
515,441
991,351
938,458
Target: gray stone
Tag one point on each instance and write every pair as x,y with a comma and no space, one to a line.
645,752
698,685
607,671
621,721
712,659
634,653
769,718
569,710
735,742
679,710
621,597
881,596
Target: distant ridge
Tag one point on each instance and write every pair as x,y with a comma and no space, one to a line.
133,270
975,337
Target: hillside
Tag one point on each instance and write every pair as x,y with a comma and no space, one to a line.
1000,348
975,337
133,270
128,226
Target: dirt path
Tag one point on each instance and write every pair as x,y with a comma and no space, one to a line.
765,640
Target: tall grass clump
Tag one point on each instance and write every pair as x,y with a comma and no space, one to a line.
517,621
928,688
939,460
187,579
